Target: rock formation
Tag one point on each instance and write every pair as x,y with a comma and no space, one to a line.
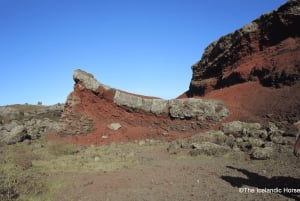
21,122
255,68
266,50
176,108
92,105
252,138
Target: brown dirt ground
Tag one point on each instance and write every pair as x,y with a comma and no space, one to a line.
160,176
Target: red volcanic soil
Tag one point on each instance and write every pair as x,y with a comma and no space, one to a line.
251,101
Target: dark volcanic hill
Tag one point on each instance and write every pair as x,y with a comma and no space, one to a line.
255,69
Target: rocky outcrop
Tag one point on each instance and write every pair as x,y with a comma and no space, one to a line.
259,142
20,122
73,121
88,81
266,50
189,108
93,103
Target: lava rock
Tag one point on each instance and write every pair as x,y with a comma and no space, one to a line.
208,148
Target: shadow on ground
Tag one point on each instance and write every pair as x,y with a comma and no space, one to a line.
261,182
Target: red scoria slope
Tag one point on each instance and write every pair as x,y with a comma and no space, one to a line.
255,70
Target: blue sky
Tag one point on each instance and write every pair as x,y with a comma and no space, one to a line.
141,46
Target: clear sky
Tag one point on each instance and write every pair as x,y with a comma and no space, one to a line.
141,46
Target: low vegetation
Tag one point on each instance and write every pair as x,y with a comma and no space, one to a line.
35,171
